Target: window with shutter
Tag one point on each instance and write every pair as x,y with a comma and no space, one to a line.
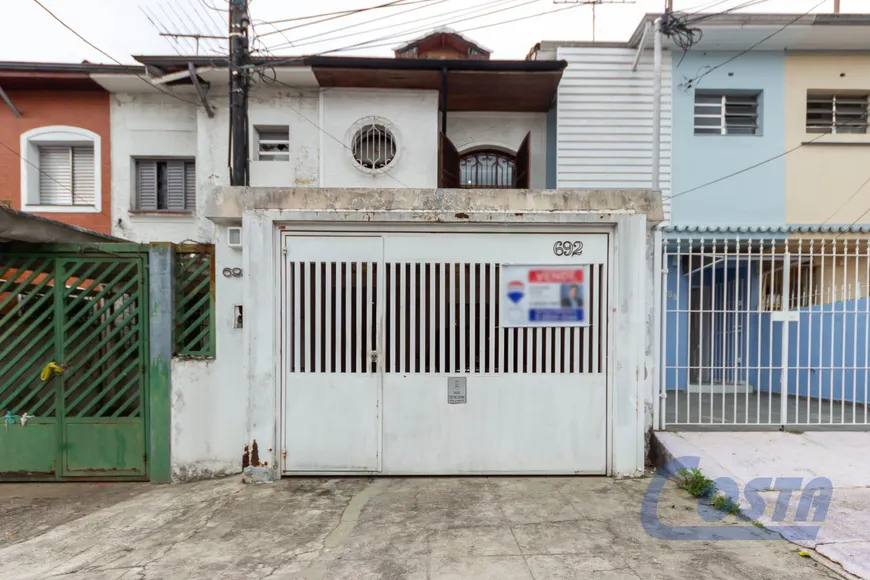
190,185
66,175
165,185
55,175
60,170
726,114
828,113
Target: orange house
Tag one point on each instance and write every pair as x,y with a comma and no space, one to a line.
55,142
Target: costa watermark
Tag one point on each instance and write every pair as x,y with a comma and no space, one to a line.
815,496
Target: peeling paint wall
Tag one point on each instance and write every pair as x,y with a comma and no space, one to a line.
631,212
298,111
210,397
145,125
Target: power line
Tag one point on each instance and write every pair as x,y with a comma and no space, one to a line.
700,7
221,24
747,4
692,82
450,14
297,42
859,218
766,161
287,104
851,197
340,14
63,185
110,57
392,37
473,28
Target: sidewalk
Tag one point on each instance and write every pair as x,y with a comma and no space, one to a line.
839,456
394,529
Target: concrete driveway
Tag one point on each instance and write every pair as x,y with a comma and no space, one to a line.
380,529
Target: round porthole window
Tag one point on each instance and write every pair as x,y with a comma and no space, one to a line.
374,145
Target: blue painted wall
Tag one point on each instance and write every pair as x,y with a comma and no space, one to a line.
815,368
755,197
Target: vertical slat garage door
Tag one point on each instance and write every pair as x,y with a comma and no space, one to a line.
376,328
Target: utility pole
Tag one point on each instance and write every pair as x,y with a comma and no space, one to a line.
836,6
238,92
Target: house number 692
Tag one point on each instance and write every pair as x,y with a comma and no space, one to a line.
568,248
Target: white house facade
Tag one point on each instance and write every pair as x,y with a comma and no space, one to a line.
360,276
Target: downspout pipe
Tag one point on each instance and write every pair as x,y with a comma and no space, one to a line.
657,103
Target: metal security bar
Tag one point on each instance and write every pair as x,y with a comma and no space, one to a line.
765,332
443,318
334,309
27,325
194,300
73,361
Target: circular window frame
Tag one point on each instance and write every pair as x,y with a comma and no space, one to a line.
356,127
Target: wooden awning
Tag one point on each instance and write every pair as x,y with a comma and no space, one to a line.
522,86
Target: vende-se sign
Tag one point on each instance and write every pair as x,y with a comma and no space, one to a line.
544,295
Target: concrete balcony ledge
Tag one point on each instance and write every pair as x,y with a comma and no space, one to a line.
225,205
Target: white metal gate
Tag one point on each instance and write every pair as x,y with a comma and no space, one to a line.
375,326
765,332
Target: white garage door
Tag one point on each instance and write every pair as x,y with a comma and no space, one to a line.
376,328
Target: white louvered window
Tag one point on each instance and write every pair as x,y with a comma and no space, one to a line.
165,185
726,114
273,143
829,113
66,175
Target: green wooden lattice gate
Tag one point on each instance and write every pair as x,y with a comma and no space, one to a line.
86,313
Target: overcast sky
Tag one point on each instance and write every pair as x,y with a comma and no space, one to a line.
122,27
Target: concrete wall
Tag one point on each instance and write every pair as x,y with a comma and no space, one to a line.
414,119
264,209
85,109
479,130
146,125
821,177
297,110
754,197
210,397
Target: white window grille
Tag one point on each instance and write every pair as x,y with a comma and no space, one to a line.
273,143
726,114
373,145
66,175
165,185
828,113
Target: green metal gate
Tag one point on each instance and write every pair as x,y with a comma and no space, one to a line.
73,365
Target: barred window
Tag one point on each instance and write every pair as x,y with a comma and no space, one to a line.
828,113
726,114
